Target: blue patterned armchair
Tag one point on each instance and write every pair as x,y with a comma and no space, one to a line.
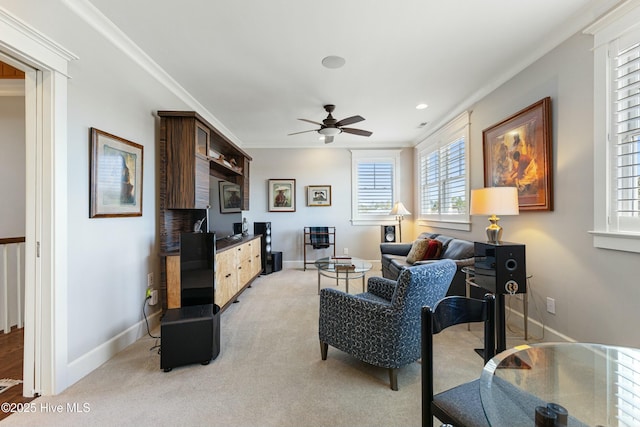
382,326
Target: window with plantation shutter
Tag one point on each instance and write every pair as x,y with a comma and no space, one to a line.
617,129
444,179
375,187
626,134
374,184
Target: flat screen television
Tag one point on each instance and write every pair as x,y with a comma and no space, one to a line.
197,268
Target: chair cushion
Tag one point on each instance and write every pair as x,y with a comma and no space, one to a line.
462,404
418,250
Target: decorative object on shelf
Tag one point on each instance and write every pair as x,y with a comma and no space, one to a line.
494,201
230,199
517,153
197,227
116,176
282,195
399,211
245,227
319,195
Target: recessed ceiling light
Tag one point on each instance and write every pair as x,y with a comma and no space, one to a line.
333,61
421,106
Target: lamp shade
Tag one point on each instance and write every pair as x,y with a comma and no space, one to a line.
494,201
399,209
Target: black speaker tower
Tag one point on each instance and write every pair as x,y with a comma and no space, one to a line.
389,234
501,269
264,228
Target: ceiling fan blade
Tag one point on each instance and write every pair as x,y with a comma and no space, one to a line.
311,121
357,131
304,131
328,139
349,121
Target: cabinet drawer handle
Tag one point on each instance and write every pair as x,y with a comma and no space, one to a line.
228,275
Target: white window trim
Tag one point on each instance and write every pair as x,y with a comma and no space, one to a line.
445,133
613,25
385,155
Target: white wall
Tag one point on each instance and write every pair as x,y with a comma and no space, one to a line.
12,166
321,166
109,258
595,290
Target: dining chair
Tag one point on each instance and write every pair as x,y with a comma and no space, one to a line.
461,405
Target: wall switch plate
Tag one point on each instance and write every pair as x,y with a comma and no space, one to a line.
551,305
150,280
345,251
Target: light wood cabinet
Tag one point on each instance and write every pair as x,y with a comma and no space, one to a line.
226,277
236,267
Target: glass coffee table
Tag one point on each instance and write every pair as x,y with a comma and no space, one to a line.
342,268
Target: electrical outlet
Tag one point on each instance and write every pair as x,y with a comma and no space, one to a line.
154,297
345,251
150,280
551,305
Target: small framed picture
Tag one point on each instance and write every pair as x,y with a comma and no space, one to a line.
282,195
319,195
230,198
115,176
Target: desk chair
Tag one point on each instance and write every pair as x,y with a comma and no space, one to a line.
461,405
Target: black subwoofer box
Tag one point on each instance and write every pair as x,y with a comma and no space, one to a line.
276,261
189,335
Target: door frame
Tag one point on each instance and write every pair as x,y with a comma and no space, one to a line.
45,331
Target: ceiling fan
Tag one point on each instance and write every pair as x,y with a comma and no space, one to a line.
331,127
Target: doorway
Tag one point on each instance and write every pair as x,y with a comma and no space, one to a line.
45,329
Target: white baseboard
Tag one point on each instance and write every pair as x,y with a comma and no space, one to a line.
91,360
537,330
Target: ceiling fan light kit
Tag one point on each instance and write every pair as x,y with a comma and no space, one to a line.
331,127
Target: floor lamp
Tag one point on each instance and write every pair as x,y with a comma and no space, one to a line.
399,211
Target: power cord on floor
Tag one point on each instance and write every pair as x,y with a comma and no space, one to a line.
144,313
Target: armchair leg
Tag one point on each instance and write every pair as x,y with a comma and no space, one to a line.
323,350
393,378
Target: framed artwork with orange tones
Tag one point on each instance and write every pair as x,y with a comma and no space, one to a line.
517,153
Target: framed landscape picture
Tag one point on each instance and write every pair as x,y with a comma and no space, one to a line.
115,176
517,153
282,195
230,198
319,195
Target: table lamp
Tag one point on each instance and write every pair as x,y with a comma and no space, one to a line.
494,201
399,211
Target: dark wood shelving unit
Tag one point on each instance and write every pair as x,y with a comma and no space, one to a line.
186,142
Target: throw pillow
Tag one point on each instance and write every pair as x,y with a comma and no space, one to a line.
418,249
434,249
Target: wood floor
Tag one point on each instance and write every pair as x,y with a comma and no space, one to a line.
11,356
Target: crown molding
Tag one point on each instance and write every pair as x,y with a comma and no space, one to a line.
38,50
99,22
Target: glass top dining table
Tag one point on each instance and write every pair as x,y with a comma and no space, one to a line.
585,384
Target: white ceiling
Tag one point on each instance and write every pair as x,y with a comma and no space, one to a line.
255,65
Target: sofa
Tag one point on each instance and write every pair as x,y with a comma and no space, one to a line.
394,259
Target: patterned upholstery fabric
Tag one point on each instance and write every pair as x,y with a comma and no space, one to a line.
382,325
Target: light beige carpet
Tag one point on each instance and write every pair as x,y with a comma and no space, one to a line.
269,373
